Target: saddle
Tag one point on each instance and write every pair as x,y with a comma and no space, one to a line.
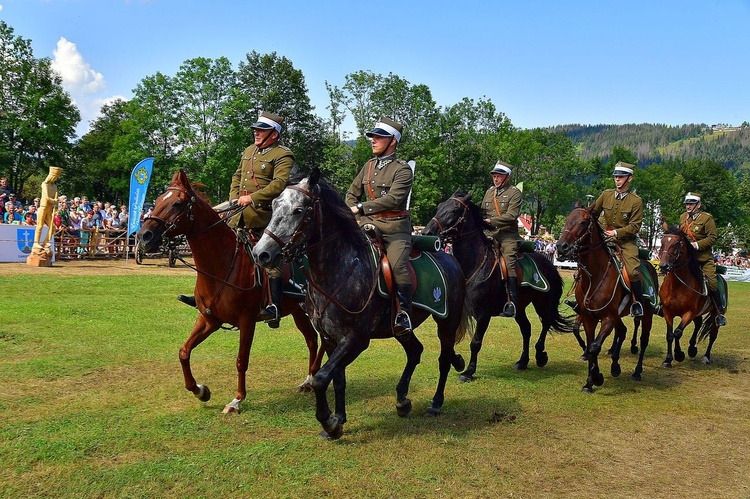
649,286
527,270
429,285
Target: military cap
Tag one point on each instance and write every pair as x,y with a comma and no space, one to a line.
386,127
692,197
623,168
267,121
502,168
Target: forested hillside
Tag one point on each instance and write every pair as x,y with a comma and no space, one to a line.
728,145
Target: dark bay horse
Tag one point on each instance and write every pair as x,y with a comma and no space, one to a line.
228,290
683,295
459,221
600,294
342,299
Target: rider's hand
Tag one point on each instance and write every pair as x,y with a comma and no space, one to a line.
610,234
695,244
245,200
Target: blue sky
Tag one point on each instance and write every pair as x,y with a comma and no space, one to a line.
541,62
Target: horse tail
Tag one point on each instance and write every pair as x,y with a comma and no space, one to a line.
467,325
557,321
706,327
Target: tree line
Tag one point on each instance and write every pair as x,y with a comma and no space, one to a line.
199,119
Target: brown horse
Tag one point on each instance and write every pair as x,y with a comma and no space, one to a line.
683,295
600,293
229,286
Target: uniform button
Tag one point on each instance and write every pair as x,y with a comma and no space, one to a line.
372,181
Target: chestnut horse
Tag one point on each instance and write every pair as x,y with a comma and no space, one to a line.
228,288
683,295
458,221
342,299
600,293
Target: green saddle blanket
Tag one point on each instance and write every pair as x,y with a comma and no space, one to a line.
530,274
649,286
431,292
294,280
723,291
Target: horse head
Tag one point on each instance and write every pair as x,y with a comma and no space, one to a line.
675,250
450,218
579,232
173,213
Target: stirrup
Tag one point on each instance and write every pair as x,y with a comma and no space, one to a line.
721,320
509,309
270,313
636,309
402,325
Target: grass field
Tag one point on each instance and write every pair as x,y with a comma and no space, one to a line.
92,403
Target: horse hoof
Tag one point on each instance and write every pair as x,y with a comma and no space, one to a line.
636,377
542,359
204,394
598,379
706,360
459,364
228,409
432,412
403,408
679,356
692,351
520,366
465,378
634,350
587,389
615,370
305,386
666,364
332,429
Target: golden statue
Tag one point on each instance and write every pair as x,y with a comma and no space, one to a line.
41,254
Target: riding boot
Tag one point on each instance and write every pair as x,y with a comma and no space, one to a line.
271,315
720,319
572,303
636,309
187,300
509,310
402,324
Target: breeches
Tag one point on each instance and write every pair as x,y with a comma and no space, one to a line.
274,272
509,250
397,248
709,268
631,261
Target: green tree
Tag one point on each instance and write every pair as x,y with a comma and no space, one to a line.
37,117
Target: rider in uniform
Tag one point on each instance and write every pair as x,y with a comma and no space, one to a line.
260,177
701,231
385,182
623,215
501,207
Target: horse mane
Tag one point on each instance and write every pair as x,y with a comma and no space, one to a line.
334,204
197,188
693,263
474,210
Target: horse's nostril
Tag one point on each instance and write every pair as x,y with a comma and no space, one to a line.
264,258
146,236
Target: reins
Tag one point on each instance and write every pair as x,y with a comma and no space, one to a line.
676,267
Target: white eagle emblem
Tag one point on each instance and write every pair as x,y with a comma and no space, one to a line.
437,293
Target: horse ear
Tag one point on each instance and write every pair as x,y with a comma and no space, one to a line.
467,197
578,204
457,193
178,175
314,177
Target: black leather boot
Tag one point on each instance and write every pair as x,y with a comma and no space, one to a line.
509,310
271,315
636,309
402,324
720,319
187,300
572,303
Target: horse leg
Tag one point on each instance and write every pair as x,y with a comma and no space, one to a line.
247,333
338,358
311,340
579,339
670,338
621,334
593,347
525,327
413,348
202,329
697,323
685,320
447,335
634,338
483,322
645,336
711,338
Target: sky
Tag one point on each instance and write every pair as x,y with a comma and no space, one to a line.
541,62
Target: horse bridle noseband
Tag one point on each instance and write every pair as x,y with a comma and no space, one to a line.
294,247
674,257
455,231
577,251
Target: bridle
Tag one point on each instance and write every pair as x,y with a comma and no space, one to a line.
672,258
455,231
586,235
295,247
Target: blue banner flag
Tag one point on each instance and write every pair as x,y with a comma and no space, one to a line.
138,185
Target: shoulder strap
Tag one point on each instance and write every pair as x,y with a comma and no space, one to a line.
368,186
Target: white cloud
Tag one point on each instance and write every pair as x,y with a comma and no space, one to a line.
85,85
1,8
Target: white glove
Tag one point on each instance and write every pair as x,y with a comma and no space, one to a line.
695,245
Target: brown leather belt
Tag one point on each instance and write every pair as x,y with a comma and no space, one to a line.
245,193
389,215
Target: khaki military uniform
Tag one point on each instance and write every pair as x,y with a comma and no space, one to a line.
701,228
386,184
502,207
262,174
625,216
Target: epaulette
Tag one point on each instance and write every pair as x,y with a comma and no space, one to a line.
285,148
